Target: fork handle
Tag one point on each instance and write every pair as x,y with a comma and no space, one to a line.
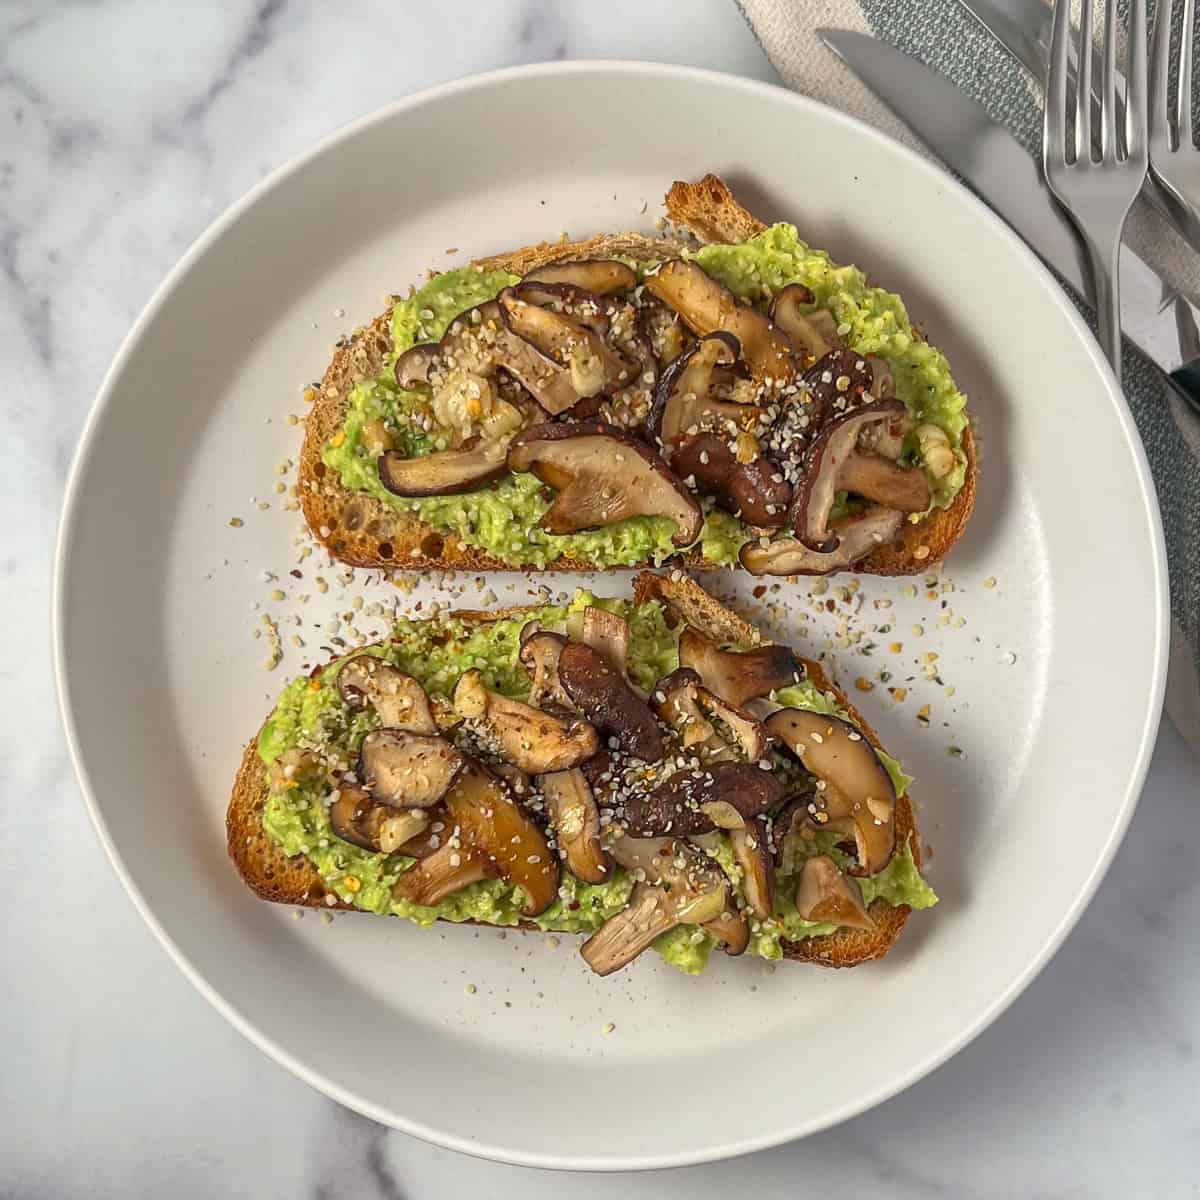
1106,280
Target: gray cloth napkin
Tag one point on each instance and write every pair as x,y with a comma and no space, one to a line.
943,34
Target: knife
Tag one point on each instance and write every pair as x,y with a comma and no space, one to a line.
1163,324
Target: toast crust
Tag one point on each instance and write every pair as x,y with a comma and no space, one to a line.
273,876
364,532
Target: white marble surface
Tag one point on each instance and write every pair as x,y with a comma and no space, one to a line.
125,127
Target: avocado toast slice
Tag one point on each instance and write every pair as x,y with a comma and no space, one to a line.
773,865
362,419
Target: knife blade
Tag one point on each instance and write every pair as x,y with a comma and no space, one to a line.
1163,324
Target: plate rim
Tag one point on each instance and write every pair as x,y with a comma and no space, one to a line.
649,71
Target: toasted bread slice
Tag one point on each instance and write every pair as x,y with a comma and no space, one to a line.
364,532
295,881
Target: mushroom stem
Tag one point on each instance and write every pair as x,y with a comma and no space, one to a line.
524,736
602,476
576,821
707,307
881,480
856,794
676,885
621,938
608,633
444,872
738,676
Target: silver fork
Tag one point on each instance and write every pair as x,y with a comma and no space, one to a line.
1174,159
1097,193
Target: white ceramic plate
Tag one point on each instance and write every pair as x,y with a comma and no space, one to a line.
161,682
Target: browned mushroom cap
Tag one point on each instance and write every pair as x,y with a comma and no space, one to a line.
731,929
826,895
603,476
478,342
751,851
676,701
755,492
738,675
344,813
576,821
539,653
813,331
706,440
570,327
524,736
407,770
825,469
857,537
398,699
447,870
416,364
706,307
625,350
686,889
693,801
492,824
855,792
685,704
356,817
791,818
834,385
475,464
602,276
473,342
597,688
469,342
683,403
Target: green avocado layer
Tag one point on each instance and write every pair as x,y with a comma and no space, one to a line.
503,519
310,715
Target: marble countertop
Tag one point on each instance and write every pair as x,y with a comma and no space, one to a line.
126,126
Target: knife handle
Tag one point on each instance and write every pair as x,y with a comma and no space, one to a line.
1186,382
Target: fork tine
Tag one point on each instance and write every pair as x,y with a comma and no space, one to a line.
1136,116
1183,117
1108,88
1160,70
1084,134
1054,119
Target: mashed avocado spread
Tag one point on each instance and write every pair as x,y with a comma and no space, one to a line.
503,519
310,715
